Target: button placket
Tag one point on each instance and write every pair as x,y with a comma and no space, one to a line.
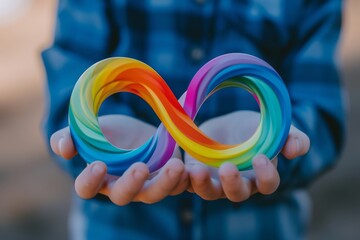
200,1
197,54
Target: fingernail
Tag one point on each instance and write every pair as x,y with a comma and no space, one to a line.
260,161
138,175
97,170
298,145
60,145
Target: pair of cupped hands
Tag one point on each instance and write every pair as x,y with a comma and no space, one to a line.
180,173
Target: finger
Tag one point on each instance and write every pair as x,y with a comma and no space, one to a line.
297,144
163,183
182,185
235,187
124,190
177,154
267,176
90,180
62,144
202,183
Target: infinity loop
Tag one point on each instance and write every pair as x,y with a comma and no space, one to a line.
115,75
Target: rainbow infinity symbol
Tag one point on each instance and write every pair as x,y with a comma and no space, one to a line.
119,74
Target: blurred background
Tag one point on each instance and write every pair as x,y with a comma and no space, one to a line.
34,193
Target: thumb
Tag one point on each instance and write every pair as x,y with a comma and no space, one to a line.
62,144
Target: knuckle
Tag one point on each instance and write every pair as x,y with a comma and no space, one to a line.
209,197
151,199
118,200
238,197
269,187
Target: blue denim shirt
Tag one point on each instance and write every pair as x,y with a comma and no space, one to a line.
298,38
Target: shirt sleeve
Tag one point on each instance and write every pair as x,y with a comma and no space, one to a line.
82,37
317,94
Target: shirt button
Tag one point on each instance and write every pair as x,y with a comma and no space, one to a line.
200,1
187,216
197,54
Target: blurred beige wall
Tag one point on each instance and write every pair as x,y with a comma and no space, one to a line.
21,92
350,41
34,193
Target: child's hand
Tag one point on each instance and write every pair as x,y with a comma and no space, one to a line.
227,182
135,184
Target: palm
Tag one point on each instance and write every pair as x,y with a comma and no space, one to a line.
136,184
213,183
233,128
